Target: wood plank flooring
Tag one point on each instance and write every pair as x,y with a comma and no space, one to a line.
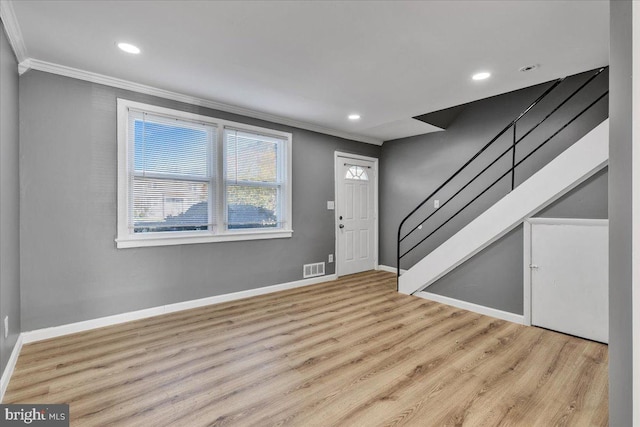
352,352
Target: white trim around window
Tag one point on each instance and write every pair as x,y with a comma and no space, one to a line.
218,227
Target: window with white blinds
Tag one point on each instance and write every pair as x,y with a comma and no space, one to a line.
254,180
186,178
172,174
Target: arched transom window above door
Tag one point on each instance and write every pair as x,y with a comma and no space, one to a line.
357,173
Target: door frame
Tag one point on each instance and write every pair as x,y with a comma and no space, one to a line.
526,306
339,157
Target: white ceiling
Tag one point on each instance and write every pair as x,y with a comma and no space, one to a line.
316,62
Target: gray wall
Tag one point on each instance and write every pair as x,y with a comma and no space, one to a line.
71,270
411,168
492,278
588,200
620,216
9,200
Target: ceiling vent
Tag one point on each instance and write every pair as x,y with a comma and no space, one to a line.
528,68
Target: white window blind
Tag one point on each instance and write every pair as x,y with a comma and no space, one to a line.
254,179
171,174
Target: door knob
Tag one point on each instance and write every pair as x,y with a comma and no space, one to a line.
341,226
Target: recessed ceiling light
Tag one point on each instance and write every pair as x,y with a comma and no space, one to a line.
354,116
481,76
129,48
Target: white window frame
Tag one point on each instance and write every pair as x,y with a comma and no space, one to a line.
219,233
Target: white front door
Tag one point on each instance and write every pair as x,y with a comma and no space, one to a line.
355,212
570,277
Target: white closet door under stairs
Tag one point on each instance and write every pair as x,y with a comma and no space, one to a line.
569,271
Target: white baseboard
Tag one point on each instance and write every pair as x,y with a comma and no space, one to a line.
11,364
481,309
390,269
71,328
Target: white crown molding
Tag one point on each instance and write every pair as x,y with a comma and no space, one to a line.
24,66
36,64
12,28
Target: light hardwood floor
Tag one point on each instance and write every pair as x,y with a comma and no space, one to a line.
347,353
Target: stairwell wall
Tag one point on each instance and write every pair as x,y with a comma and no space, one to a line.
494,277
413,167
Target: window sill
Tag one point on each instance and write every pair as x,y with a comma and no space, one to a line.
181,239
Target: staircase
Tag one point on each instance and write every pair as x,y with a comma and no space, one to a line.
573,166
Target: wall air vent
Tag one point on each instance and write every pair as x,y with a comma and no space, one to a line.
313,270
